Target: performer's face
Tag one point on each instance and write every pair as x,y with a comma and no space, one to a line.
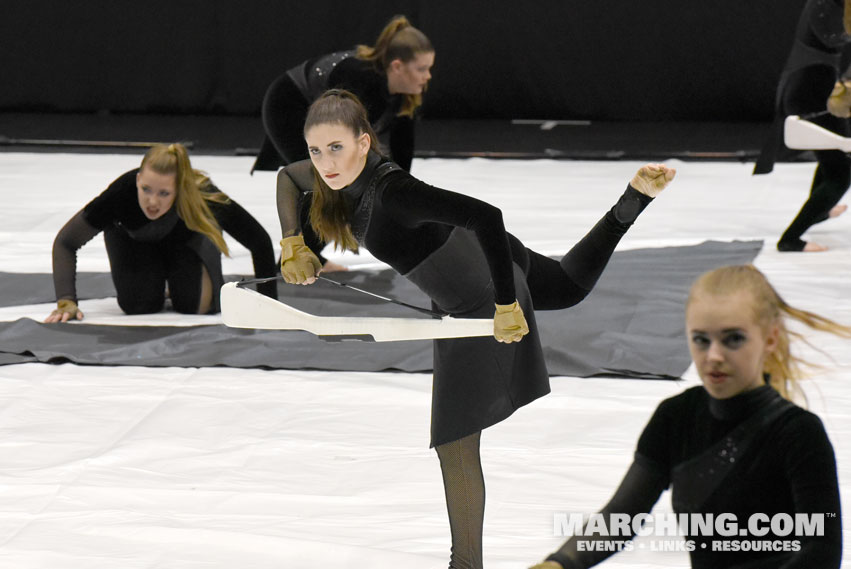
156,192
727,344
337,153
411,77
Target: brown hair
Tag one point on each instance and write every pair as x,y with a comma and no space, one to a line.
329,213
398,40
784,368
193,190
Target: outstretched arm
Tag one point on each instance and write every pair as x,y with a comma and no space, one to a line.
76,233
638,493
234,219
300,262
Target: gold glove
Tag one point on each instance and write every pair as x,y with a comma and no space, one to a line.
547,565
509,324
66,309
839,101
298,263
651,179
846,17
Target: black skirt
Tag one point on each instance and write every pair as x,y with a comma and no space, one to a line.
478,382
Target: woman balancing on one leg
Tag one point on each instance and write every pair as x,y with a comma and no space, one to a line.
162,223
455,248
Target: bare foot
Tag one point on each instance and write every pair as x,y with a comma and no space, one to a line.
332,267
837,210
811,247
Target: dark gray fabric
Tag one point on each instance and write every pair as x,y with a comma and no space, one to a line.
630,325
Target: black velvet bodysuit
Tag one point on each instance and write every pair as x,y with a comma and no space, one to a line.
788,467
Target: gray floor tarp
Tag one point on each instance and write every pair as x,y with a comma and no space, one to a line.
631,325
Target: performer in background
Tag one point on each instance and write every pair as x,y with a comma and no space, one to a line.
816,85
389,78
736,445
456,249
162,224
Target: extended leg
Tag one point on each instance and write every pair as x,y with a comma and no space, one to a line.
561,284
464,484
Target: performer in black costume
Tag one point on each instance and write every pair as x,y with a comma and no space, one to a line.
736,445
816,78
455,248
389,79
162,223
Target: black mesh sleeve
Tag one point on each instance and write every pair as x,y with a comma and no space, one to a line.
76,233
293,181
234,219
638,492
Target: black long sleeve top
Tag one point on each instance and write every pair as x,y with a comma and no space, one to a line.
118,206
789,470
409,219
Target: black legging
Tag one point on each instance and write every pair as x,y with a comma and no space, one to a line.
554,285
140,271
805,93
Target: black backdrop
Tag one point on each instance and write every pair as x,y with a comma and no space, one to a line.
596,59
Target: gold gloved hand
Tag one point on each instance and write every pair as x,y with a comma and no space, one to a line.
509,324
839,101
66,309
651,179
547,565
298,263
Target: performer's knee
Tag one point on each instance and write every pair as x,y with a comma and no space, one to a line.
141,304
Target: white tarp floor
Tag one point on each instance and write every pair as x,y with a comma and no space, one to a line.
129,467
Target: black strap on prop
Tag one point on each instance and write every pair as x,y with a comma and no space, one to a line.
432,313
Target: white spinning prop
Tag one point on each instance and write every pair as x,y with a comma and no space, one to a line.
246,308
801,134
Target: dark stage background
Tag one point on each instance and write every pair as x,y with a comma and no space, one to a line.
604,60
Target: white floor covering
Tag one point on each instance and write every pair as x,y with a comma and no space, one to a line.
127,467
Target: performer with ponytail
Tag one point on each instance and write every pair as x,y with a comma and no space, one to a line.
455,249
389,78
816,85
735,446
162,224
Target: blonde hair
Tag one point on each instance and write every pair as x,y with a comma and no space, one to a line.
398,40
785,369
329,213
193,190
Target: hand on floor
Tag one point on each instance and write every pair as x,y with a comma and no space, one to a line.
651,179
66,309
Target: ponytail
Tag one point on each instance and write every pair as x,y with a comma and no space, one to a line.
193,190
398,40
